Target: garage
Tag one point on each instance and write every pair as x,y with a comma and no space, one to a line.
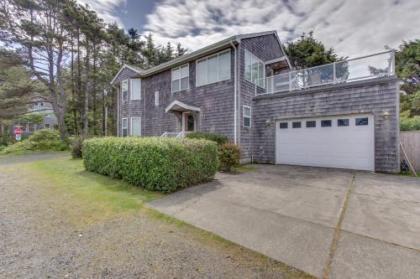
338,142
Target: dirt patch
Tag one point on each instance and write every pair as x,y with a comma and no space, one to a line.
43,237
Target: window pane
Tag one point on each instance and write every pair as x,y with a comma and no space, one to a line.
156,98
283,125
212,69
184,83
260,74
254,72
248,65
247,122
247,111
175,85
342,122
362,121
224,66
326,123
310,124
202,72
135,89
135,126
175,74
184,71
296,125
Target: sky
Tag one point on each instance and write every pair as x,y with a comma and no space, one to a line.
352,27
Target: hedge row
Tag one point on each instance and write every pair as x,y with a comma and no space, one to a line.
156,164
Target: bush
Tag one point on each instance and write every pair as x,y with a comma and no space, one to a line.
229,156
219,139
76,147
410,124
156,164
41,140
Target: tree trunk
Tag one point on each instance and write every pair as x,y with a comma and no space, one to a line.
87,88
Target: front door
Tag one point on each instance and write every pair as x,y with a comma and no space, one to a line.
189,124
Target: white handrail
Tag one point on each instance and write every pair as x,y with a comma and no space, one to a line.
376,65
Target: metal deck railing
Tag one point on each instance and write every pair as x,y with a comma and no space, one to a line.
361,68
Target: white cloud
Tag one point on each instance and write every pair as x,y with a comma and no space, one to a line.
352,27
106,9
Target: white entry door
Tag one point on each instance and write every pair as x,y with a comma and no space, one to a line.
336,142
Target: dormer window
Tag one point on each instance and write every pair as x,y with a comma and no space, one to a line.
124,90
180,78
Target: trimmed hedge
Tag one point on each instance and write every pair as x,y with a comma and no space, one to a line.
156,164
229,156
219,139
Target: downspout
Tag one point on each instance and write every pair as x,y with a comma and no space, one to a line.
118,111
235,97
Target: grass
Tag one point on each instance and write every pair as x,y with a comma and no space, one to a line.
96,196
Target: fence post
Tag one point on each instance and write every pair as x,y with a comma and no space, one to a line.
334,73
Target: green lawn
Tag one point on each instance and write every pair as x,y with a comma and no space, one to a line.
68,178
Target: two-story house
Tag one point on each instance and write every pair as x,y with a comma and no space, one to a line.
244,87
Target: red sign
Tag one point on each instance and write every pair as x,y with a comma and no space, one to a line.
18,131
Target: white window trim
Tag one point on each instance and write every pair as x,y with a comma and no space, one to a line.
253,56
211,56
188,84
122,126
246,116
131,125
130,90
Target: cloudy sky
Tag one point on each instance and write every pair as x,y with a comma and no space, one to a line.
352,27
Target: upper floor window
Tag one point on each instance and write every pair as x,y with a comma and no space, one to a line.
180,78
124,90
156,98
213,68
254,69
135,90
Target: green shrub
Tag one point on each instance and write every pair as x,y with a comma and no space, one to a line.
76,147
41,140
410,124
219,139
229,156
156,164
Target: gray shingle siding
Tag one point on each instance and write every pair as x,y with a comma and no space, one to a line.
374,97
215,101
265,48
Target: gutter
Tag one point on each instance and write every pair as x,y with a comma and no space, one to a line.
235,94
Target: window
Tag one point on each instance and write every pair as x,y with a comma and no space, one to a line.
283,125
124,127
326,123
156,98
135,89
343,122
124,90
362,121
213,68
296,125
311,124
247,116
254,69
180,78
136,126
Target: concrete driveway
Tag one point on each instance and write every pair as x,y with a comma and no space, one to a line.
329,223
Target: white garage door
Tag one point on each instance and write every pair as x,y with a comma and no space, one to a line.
337,142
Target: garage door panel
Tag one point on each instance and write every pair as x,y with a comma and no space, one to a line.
336,146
